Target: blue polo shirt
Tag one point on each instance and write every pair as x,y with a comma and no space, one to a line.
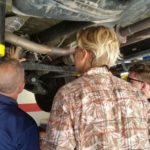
18,131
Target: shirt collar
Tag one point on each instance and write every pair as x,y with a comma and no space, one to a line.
7,100
97,70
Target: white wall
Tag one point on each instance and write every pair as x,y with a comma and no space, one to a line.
39,116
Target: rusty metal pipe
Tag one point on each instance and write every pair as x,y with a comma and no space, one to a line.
139,26
34,47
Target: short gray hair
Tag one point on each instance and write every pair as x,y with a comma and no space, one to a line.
11,75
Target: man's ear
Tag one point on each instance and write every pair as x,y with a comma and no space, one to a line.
144,87
85,55
21,87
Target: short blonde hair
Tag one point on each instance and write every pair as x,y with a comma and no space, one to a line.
102,42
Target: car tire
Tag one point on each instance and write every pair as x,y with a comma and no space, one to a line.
51,85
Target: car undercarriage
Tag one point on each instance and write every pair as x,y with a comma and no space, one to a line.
45,32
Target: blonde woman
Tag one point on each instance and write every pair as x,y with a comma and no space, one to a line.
97,111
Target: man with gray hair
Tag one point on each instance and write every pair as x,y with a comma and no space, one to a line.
18,131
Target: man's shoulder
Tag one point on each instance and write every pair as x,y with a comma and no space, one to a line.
25,117
72,86
122,83
128,88
18,120
18,116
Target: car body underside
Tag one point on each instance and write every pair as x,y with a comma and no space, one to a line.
46,31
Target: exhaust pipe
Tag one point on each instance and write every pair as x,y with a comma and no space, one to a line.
34,47
139,26
139,36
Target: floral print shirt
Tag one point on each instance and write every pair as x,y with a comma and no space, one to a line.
98,112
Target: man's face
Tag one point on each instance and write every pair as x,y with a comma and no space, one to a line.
77,59
133,79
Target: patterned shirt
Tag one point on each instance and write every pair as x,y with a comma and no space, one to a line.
98,112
